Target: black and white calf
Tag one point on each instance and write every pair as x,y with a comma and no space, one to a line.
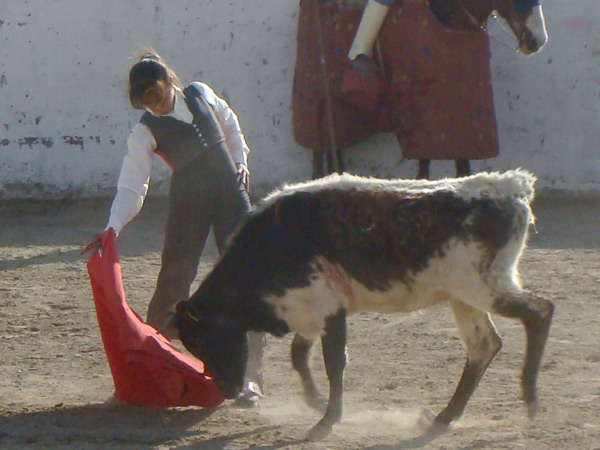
315,252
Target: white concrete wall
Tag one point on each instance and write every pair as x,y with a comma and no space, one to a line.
64,113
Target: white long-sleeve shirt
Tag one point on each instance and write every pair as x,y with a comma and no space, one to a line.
134,178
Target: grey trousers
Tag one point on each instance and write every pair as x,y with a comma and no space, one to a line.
204,193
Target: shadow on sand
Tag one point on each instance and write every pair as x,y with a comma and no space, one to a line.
116,425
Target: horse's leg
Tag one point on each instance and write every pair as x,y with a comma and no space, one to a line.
536,314
334,162
423,173
318,164
483,343
300,353
463,167
334,354
330,166
340,161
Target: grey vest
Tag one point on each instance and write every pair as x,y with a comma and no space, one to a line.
178,142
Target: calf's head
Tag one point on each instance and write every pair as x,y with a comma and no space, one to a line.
218,341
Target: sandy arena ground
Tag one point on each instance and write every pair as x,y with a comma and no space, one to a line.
56,386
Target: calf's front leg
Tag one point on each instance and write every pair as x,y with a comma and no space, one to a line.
300,352
334,353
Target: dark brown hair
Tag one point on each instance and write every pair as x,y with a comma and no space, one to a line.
149,77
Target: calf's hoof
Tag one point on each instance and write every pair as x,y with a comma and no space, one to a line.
448,415
532,409
317,403
318,432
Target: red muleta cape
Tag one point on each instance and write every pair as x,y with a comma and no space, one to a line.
146,368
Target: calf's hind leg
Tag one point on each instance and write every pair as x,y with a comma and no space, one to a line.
300,353
536,315
483,343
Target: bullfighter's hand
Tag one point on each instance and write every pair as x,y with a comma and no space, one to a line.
95,243
243,176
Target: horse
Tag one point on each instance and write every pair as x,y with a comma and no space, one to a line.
434,92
